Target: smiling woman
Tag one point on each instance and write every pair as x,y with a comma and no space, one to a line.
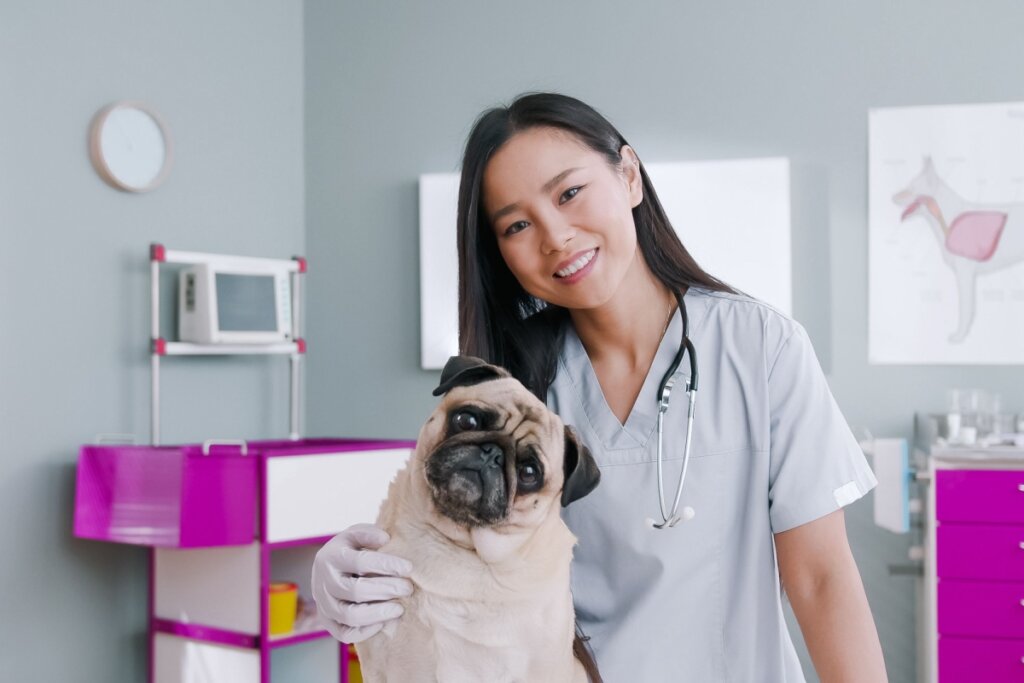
552,236
572,278
577,183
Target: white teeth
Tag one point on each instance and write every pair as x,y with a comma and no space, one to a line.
577,264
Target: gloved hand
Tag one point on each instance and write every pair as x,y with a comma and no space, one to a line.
354,586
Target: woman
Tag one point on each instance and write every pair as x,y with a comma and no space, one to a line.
571,276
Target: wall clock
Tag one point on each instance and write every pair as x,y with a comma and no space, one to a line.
130,146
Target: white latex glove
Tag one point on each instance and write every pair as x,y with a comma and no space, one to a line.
355,586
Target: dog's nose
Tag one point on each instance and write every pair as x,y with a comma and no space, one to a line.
492,455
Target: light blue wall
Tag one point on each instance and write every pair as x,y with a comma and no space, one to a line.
74,284
392,89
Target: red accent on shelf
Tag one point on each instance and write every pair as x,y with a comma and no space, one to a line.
301,344
160,346
157,252
302,263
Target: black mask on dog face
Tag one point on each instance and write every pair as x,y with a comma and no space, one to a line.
476,472
470,471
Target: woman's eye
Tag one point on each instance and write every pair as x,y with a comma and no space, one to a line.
515,227
569,194
465,422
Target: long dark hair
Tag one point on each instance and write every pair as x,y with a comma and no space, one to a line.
500,321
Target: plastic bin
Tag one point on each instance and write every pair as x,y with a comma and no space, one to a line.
166,496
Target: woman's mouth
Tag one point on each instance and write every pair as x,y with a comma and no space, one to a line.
578,267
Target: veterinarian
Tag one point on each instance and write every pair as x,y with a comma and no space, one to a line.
572,278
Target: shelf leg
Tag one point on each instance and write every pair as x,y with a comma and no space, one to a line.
154,364
264,575
154,400
151,600
296,365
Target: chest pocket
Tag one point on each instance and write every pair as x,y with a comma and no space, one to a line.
628,576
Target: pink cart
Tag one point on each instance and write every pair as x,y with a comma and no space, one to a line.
223,522
224,519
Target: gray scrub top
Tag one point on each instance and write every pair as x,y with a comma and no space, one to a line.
702,602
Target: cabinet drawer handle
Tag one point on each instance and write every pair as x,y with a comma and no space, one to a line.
1021,545
241,443
1020,487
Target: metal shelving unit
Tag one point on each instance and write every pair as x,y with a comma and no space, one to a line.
261,642
160,347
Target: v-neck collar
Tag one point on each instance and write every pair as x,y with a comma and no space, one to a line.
643,416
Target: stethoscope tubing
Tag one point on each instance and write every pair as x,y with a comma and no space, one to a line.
671,517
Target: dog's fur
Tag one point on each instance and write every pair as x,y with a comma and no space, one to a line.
489,550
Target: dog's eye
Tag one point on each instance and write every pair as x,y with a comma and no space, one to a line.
530,477
465,421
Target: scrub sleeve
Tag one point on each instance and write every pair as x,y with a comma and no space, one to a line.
816,465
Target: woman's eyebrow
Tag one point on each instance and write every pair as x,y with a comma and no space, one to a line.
550,185
547,187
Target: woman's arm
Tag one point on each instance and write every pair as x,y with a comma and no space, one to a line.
821,579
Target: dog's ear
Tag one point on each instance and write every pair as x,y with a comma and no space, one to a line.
581,472
462,371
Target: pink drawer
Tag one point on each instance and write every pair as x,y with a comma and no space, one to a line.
975,551
979,496
166,496
967,660
981,608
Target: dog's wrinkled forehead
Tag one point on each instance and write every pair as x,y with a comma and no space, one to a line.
497,403
466,379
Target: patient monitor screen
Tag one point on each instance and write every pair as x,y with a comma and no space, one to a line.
245,303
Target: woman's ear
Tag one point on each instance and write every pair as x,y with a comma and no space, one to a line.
631,173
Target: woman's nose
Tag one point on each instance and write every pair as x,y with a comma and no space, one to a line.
556,235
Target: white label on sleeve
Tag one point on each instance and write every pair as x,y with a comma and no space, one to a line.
847,493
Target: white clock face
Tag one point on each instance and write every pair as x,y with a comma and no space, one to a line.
131,147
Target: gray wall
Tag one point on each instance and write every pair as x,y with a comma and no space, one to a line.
74,284
392,92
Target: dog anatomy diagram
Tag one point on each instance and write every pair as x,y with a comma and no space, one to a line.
947,234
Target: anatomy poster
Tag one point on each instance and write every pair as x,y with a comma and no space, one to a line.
946,234
733,216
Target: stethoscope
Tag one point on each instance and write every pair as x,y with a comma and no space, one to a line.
669,518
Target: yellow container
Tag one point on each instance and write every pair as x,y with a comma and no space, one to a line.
284,598
355,674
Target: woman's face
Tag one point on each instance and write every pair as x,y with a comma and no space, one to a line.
563,216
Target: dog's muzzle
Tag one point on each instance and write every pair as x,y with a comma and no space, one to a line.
469,481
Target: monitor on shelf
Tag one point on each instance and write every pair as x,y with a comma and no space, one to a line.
235,303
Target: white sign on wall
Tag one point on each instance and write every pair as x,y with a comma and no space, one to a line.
946,229
733,216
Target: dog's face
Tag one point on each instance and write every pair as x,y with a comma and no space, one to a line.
493,455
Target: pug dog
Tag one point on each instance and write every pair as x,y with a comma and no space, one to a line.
476,512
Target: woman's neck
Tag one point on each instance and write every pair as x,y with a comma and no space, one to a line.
629,327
